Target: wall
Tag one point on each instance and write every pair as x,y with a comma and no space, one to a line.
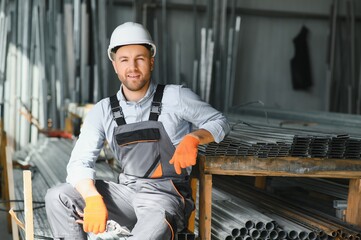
264,52
267,47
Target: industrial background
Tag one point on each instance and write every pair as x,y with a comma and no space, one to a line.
285,72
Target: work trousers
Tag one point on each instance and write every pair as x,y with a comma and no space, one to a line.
152,209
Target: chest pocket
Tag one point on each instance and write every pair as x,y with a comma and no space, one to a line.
139,151
138,136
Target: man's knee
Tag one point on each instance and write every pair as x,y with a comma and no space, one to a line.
59,195
52,196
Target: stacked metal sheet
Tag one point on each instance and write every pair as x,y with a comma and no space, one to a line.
353,148
337,146
319,146
47,160
250,137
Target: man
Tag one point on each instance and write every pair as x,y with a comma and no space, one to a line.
142,123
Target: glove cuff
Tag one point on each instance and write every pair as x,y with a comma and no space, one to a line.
192,139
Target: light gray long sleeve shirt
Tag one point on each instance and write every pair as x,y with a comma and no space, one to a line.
182,110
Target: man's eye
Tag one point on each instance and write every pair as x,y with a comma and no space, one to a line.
123,60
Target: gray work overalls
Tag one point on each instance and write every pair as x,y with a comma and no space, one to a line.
150,198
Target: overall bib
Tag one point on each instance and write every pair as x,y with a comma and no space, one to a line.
144,150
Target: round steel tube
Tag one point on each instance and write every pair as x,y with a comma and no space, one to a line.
264,234
243,231
260,225
270,226
273,234
249,224
292,234
312,236
235,232
254,233
302,235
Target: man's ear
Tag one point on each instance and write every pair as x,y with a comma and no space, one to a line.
151,64
114,66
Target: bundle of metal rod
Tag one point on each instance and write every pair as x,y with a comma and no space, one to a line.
48,159
247,145
301,219
255,139
3,41
252,223
42,73
327,187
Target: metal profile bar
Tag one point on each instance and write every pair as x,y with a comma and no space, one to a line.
3,45
11,71
43,96
60,69
84,54
234,61
222,58
157,65
210,52
69,47
103,65
228,69
203,64
195,74
164,42
177,63
331,59
76,96
35,89
23,90
96,88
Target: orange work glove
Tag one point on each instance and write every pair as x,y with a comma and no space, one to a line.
95,214
185,154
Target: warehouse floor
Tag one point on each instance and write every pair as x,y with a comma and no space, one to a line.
4,234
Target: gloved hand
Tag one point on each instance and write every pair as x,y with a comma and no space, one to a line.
185,154
95,214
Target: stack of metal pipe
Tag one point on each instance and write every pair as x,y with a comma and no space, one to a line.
240,211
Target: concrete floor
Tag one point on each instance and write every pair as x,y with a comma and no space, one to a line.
4,234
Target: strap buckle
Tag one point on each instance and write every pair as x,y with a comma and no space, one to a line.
117,112
156,108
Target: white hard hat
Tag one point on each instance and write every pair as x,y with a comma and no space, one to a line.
130,33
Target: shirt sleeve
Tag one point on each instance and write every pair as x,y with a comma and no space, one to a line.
87,147
203,115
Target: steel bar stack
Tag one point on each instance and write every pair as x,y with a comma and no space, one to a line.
49,56
47,160
250,136
240,211
343,85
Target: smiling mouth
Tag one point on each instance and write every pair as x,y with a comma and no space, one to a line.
133,76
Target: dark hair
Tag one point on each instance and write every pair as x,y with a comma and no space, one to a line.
147,46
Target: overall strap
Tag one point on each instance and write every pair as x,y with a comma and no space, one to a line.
156,107
117,110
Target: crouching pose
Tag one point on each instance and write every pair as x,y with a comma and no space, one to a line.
154,131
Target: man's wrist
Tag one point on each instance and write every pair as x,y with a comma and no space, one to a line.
86,188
